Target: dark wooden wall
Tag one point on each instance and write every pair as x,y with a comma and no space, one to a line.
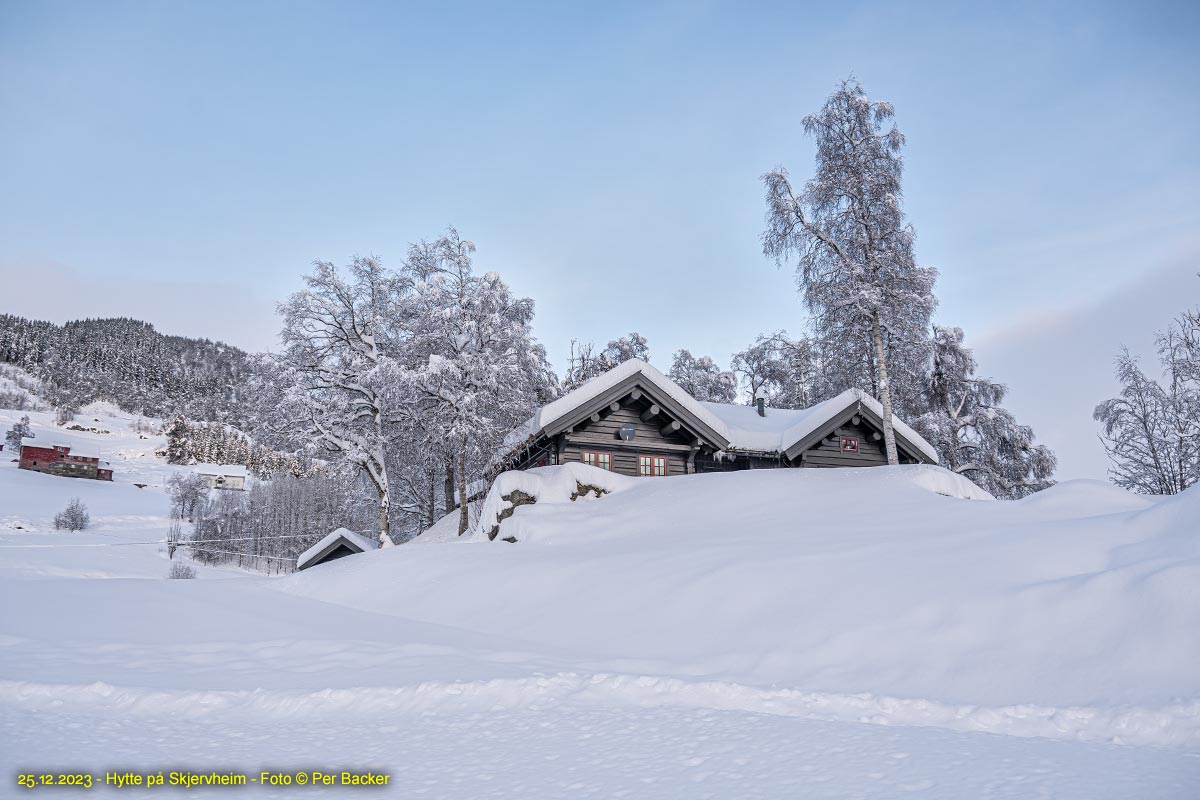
828,453
647,439
624,458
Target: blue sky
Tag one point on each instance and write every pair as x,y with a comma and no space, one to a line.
185,162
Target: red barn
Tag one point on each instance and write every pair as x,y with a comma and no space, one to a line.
57,459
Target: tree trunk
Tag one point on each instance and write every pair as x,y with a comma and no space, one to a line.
432,498
885,391
463,504
385,507
449,485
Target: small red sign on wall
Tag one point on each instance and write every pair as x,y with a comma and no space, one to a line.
849,444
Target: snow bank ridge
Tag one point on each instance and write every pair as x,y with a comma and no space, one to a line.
1176,726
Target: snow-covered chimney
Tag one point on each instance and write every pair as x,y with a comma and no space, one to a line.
761,403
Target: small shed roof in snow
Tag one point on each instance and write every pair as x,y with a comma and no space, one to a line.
342,537
228,470
730,426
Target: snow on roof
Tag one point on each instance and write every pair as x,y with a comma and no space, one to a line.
71,449
345,534
597,386
783,427
741,425
228,470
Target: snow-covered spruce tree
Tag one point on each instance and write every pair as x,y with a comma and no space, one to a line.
854,250
1152,429
781,370
477,369
341,337
974,435
702,378
17,434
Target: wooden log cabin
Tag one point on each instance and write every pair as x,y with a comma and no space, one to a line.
636,421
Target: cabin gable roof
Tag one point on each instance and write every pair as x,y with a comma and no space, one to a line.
858,408
576,406
788,432
652,391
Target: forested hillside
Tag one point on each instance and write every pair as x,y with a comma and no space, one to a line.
129,363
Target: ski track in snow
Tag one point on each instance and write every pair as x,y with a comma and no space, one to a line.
1175,726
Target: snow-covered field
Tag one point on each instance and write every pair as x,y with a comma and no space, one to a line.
848,633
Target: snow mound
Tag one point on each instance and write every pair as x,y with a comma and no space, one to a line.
832,581
943,481
444,530
1076,496
559,484
1175,522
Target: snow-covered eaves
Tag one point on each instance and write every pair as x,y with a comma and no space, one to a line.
791,431
330,542
222,470
574,406
725,426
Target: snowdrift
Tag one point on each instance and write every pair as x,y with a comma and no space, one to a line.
575,482
567,483
839,582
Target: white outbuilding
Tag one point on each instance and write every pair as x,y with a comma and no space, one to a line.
223,476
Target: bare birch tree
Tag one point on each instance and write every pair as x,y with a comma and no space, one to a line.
854,250
337,334
1151,431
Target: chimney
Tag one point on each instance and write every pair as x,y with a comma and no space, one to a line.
761,403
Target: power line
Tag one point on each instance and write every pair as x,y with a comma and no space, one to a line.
179,543
251,555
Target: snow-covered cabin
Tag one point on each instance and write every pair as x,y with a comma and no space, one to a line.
223,476
635,420
335,544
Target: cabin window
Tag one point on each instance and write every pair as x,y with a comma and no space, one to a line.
652,465
597,458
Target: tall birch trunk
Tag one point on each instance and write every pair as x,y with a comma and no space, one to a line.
449,488
385,507
885,391
463,505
